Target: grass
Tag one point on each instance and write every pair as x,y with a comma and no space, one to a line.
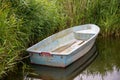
103,13
25,22
10,46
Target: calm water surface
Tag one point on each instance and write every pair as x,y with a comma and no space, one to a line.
102,63
107,64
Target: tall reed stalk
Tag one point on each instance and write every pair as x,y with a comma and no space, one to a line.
105,13
23,23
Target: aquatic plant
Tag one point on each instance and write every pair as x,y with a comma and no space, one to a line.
23,23
103,13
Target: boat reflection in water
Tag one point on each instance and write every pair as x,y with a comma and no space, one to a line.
68,73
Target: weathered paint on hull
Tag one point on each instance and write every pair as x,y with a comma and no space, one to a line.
65,47
61,60
79,53
67,73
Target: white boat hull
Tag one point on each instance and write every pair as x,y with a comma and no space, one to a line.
60,51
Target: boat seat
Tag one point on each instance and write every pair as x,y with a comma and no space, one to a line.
83,34
88,31
68,47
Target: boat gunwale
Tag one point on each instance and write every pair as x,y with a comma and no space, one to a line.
38,52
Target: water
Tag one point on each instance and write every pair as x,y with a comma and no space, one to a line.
107,64
99,64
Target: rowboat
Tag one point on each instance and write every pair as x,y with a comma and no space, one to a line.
65,47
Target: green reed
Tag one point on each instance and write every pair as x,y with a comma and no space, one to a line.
105,13
23,23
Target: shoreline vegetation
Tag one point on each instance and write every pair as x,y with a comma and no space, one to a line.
25,22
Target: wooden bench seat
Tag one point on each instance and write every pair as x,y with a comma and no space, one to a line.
68,47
